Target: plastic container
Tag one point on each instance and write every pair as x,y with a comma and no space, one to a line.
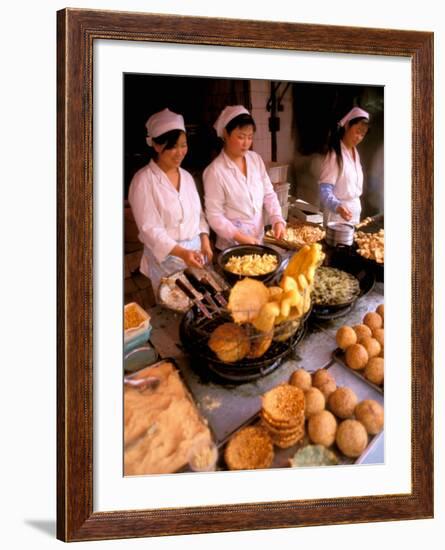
277,171
203,457
136,335
282,191
139,358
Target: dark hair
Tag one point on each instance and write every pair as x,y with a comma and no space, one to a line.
335,137
169,139
239,122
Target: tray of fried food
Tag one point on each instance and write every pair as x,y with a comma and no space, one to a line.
297,234
344,417
161,421
361,347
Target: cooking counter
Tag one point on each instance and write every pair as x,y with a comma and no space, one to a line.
228,406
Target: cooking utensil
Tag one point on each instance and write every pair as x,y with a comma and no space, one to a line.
244,250
148,382
202,288
339,233
209,278
195,296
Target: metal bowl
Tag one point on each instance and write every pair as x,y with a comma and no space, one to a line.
244,250
346,260
338,233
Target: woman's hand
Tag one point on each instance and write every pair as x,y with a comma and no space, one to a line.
206,249
344,212
192,258
242,238
279,230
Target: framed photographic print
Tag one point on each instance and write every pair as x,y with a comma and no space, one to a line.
127,467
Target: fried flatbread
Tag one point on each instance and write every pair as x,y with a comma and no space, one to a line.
249,449
283,404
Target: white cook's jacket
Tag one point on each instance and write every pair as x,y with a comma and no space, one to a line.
165,217
348,184
234,202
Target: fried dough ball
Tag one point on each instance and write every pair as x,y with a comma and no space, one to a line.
370,413
342,402
361,331
345,337
381,311
374,370
322,428
301,379
371,345
356,357
324,381
229,342
379,335
314,402
351,438
373,320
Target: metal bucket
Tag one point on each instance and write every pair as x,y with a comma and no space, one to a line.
338,233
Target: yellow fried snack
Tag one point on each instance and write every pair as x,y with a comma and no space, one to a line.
290,298
293,267
307,300
229,342
250,448
288,283
274,293
252,264
266,317
302,282
246,299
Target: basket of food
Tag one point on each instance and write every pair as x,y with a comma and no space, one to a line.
297,234
137,328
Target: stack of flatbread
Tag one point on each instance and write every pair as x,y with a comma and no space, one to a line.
282,415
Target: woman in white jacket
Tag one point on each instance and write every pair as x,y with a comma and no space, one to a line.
166,205
341,177
237,187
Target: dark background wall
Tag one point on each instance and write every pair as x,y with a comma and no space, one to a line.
307,114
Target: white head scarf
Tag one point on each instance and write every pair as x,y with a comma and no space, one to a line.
355,112
228,114
163,122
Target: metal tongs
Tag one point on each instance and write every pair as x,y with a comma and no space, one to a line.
190,291
210,279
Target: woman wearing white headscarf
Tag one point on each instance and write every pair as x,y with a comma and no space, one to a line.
341,177
236,185
166,205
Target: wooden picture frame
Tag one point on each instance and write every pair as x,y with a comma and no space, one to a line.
77,31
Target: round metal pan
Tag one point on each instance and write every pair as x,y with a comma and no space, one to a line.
244,250
346,260
194,339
